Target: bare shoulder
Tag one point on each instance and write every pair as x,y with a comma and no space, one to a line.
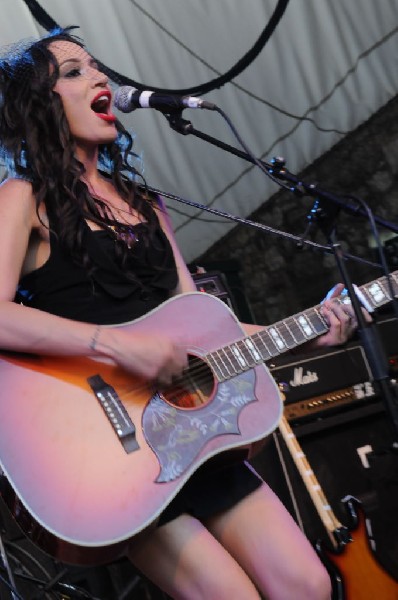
16,186
17,211
17,200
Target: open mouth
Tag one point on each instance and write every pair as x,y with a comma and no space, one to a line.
101,106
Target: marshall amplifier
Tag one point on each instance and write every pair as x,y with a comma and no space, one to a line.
328,381
214,283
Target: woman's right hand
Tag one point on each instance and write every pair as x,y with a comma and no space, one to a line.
155,358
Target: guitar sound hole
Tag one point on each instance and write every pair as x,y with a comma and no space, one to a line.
194,388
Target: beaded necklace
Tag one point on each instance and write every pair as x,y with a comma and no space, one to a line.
122,231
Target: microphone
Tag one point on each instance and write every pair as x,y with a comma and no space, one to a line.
129,98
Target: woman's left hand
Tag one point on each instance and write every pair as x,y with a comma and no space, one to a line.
340,318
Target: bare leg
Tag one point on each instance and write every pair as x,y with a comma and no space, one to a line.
265,540
184,559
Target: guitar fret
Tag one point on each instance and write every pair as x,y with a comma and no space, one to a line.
377,293
214,364
259,342
297,331
394,283
286,334
394,286
365,299
291,329
252,348
230,361
244,354
310,480
305,325
318,322
233,360
277,339
239,356
272,349
248,357
227,372
260,346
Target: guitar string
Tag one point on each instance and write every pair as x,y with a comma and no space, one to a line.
199,369
200,372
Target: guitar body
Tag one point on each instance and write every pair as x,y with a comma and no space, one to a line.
355,571
74,487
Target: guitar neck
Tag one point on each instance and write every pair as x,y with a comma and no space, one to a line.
332,525
289,333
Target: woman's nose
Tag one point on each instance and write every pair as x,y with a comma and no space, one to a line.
98,76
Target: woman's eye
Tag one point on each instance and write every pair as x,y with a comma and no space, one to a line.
73,73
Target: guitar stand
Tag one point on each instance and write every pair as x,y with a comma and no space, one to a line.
26,575
10,581
36,580
41,589
4,562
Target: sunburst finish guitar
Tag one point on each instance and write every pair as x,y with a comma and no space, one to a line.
92,455
355,571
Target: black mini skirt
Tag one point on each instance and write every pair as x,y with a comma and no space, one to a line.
212,490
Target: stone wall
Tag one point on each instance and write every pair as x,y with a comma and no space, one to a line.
279,279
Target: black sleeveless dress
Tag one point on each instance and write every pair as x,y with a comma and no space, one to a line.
107,295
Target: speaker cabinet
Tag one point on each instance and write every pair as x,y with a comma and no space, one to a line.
352,456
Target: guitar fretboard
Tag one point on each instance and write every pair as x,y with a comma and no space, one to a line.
329,519
289,333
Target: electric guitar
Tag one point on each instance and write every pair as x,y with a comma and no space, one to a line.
356,574
92,455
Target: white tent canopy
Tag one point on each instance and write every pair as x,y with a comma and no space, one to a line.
332,61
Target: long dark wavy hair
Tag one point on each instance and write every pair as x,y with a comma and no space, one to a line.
36,144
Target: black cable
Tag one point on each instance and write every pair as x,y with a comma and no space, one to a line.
41,16
48,23
236,69
44,19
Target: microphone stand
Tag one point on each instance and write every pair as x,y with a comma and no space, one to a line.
276,169
328,207
368,333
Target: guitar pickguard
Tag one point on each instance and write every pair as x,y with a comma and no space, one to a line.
177,436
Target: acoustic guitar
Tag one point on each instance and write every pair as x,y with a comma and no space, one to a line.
92,455
356,574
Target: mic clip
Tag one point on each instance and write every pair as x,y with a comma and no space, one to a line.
177,123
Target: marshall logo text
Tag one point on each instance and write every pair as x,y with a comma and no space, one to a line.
299,378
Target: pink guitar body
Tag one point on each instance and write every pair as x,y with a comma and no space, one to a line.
82,481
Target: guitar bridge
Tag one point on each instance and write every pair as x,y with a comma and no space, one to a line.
116,413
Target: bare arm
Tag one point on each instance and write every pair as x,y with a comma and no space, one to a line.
30,330
23,328
341,319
